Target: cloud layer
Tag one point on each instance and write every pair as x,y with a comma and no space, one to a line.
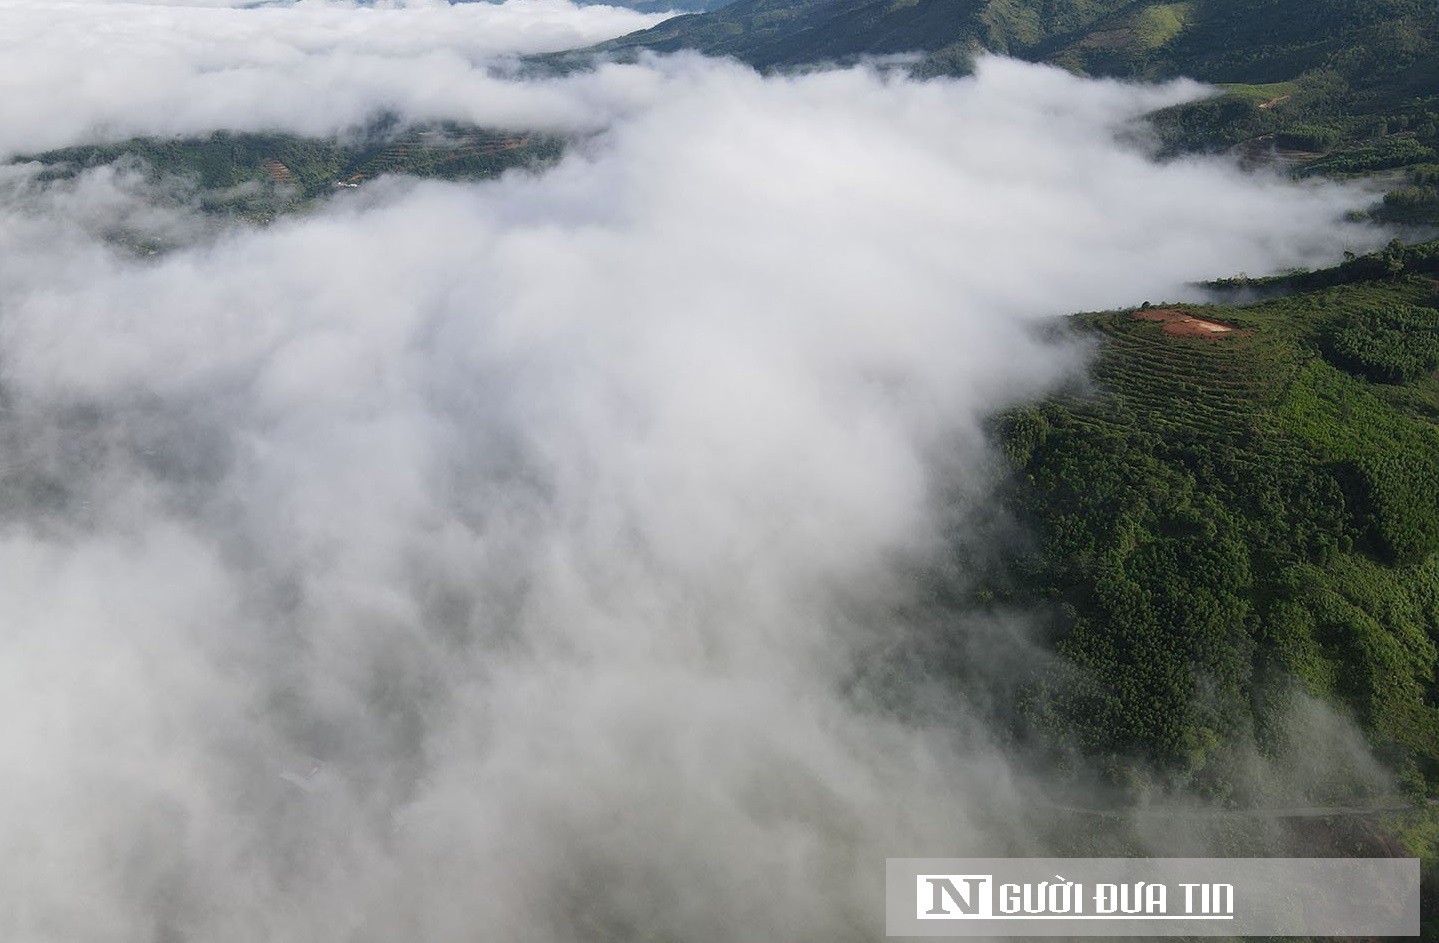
495,561
79,71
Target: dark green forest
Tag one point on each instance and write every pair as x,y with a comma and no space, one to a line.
1228,512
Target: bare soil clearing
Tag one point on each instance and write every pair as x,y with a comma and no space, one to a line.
1179,323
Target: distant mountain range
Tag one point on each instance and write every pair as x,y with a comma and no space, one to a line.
1219,40
771,33
1334,87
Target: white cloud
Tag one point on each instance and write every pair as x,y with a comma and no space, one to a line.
77,71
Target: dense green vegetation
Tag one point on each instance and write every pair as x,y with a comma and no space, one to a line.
1386,343
1242,41
777,33
1335,88
1230,518
259,174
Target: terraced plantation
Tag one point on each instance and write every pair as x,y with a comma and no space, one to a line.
451,154
1233,519
1173,381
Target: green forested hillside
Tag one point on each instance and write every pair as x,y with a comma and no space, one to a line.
770,33
1252,41
1245,506
260,174
1332,88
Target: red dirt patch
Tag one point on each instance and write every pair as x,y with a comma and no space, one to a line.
1179,323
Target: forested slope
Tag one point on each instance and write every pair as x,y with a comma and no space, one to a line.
258,175
1244,507
770,33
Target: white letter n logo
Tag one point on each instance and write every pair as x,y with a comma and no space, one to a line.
953,896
